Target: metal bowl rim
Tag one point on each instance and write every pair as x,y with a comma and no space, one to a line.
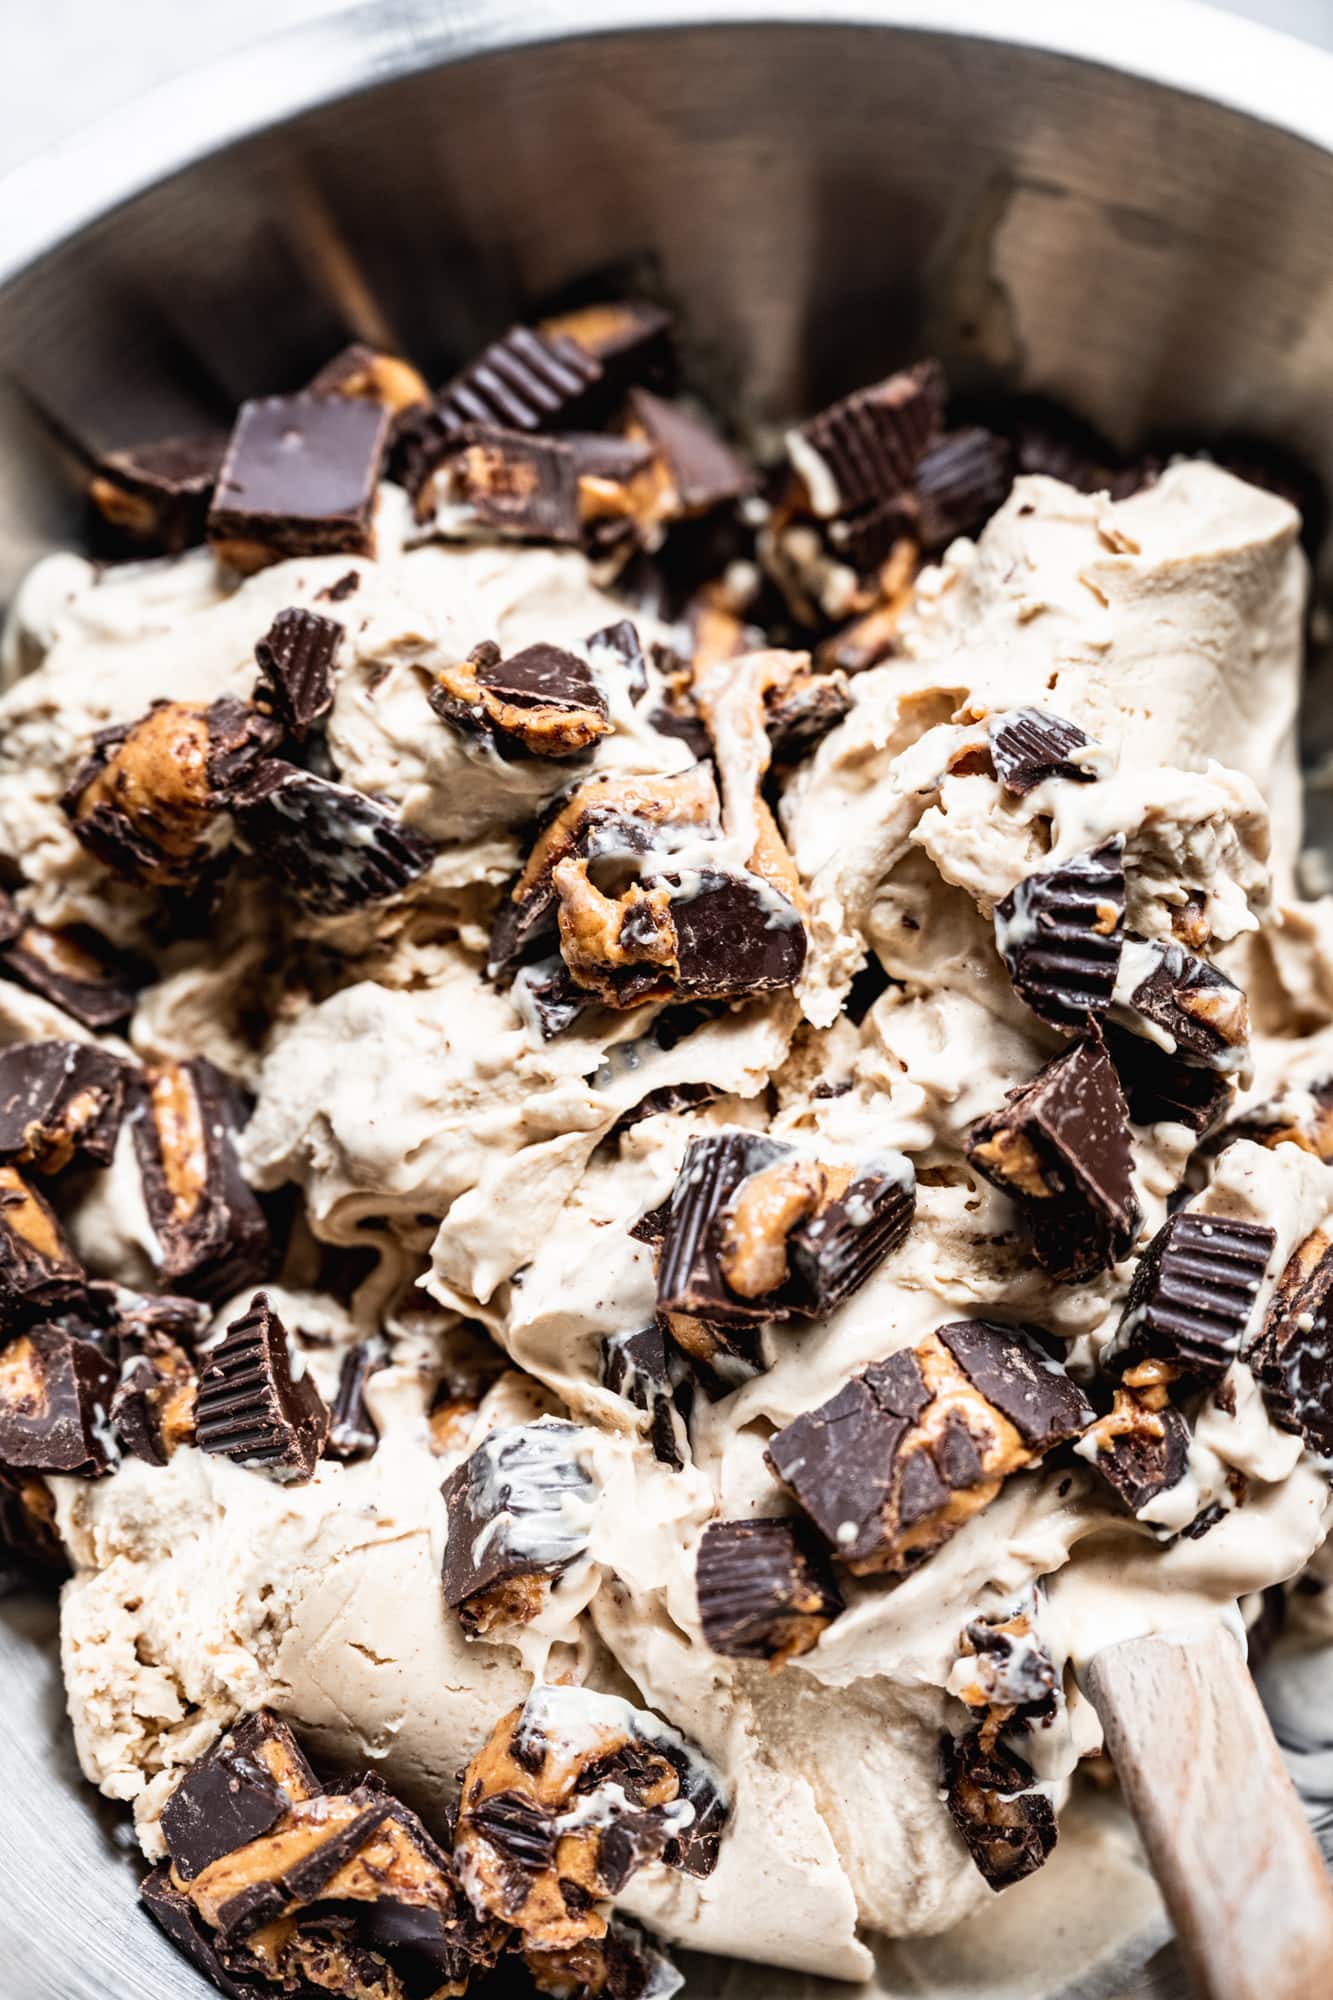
1183,45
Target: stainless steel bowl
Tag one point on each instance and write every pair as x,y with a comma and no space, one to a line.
1125,208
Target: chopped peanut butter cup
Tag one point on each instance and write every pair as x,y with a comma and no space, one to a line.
571,1796
765,1589
1059,934
296,659
38,1272
359,370
352,1430
59,1102
1141,1447
55,1398
211,1235
1182,1003
155,497
1060,1147
257,1403
74,968
299,479
1030,745
520,1512
1007,1823
1193,1296
332,848
867,447
237,1791
1293,1355
624,1965
541,702
650,1372
892,1466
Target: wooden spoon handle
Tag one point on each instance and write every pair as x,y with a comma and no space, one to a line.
1234,1855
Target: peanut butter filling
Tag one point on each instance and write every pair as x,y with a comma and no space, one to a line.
22,1378
602,934
181,1138
761,1215
123,509
383,378
999,1447
689,798
48,1150
1131,1416
547,731
58,952
1013,1159
25,1214
1221,1008
158,778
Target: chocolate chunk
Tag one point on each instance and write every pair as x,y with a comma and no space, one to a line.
520,1510
359,370
1162,1087
1012,1672
571,1795
175,1916
690,1278
525,381
800,715
614,653
152,1410
257,1402
704,473
547,997
156,496
299,479
352,1431
631,339
1193,1296
59,1101
1018,1378
734,935
1181,1002
32,1554
1141,1451
1059,934
647,1369
237,1791
765,1589
904,1454
55,1394
1008,1825
541,702
1293,1356
868,446
1030,745
958,484
514,483
332,848
74,969
834,1251
296,658
666,1098
147,801
1060,1147
211,1234
623,1965
38,1273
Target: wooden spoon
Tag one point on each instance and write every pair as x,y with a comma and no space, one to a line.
1236,1861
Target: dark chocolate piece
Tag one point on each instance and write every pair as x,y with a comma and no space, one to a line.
1140,1450
904,1454
546,993
648,1370
615,653
1030,745
868,446
38,1272
55,1395
667,1097
74,969
32,1555
519,1509
1012,1672
254,1406
800,715
332,848
766,1591
515,483
60,1101
1060,1147
958,484
525,381
704,472
147,799
1193,1296
156,496
569,1797
690,1279
1160,1087
1167,991
152,1410
1008,1825
540,702
735,935
237,1791
360,370
211,1233
834,1251
1059,934
352,1431
299,479
624,1965
630,338
1293,1356
295,659
176,1917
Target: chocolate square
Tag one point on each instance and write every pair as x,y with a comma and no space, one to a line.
299,479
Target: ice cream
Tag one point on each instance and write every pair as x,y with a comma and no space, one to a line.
765,1233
